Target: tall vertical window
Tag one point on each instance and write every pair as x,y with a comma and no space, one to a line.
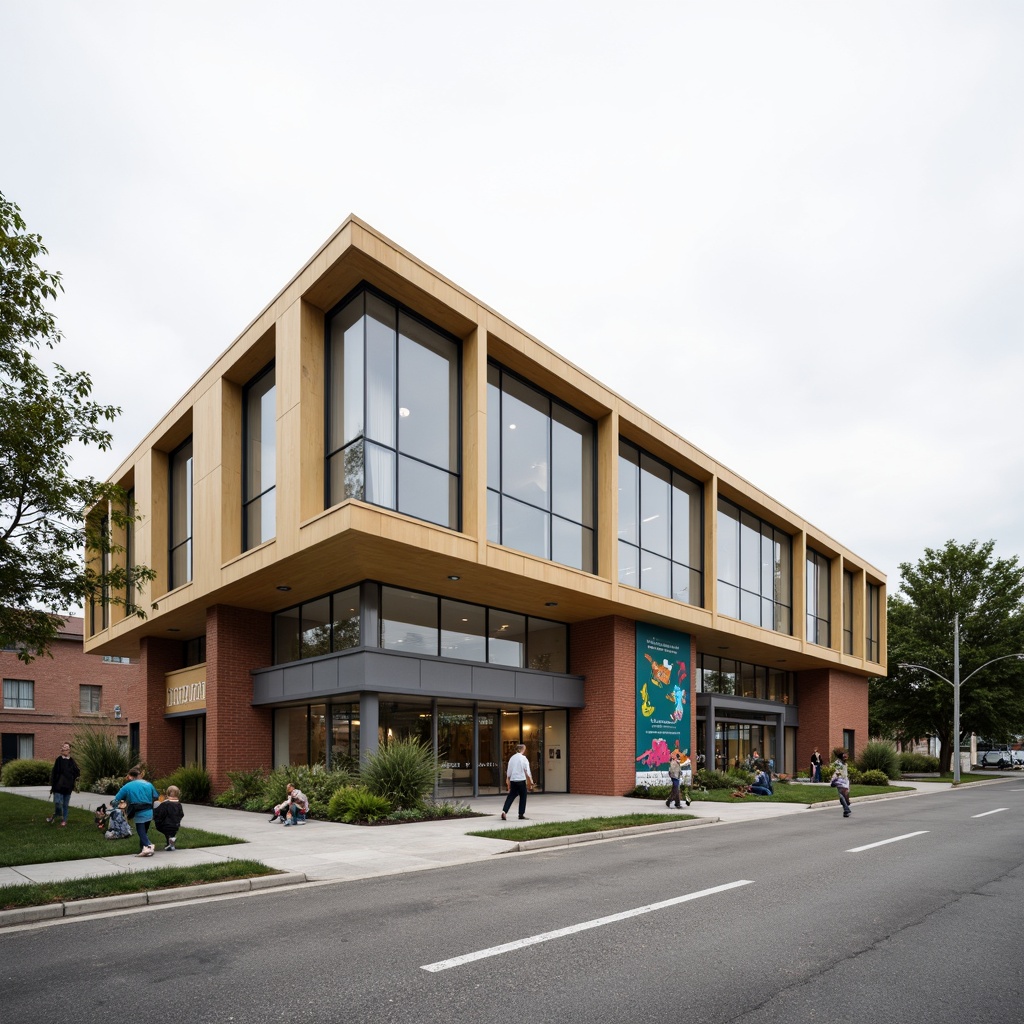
180,560
873,619
540,473
259,470
392,411
660,527
129,550
847,612
819,597
755,569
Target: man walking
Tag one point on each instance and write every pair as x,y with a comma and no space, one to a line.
518,777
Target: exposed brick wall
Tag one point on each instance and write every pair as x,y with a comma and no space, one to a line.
160,744
603,734
56,716
238,735
830,701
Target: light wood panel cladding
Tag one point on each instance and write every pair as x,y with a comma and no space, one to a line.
319,550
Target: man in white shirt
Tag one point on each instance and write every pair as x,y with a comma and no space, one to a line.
518,777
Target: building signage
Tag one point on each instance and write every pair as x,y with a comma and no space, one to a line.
663,700
185,690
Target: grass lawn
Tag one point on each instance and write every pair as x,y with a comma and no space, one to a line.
17,896
25,838
546,830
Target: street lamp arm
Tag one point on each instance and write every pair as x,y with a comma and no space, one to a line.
987,663
925,668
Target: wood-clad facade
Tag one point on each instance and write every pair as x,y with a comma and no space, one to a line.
385,509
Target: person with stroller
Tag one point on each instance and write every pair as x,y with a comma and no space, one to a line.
140,796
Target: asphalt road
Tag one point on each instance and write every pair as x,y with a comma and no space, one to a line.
780,920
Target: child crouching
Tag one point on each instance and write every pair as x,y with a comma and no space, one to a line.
167,816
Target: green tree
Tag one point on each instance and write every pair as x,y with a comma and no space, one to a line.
987,592
49,517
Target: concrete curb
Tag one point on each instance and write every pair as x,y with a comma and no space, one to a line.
612,833
153,897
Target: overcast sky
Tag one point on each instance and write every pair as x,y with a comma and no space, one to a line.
791,232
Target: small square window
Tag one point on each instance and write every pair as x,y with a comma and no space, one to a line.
89,699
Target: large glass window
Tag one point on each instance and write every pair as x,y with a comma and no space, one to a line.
754,569
873,619
259,471
327,624
540,473
392,411
660,530
847,612
19,693
740,679
180,560
819,599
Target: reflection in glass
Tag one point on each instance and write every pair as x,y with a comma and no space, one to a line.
408,621
507,639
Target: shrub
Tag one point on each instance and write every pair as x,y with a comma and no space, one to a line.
193,780
316,782
99,756
26,771
874,777
711,778
880,757
921,763
650,791
108,786
356,803
402,772
245,785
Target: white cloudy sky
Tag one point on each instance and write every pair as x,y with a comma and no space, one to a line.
802,221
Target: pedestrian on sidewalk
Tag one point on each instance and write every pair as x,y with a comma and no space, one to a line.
167,817
62,783
841,780
675,774
686,776
815,766
140,796
518,777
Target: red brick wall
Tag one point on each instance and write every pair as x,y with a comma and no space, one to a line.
160,744
237,734
830,701
602,735
56,716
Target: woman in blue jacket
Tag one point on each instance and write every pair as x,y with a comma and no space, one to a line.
140,796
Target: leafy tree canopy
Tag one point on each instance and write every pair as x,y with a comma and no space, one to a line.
988,594
44,529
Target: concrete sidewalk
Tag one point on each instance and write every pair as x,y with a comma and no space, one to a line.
323,850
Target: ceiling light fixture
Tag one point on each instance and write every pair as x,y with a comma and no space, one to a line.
283,588
454,578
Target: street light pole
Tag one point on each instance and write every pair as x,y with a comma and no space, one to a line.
956,698
955,683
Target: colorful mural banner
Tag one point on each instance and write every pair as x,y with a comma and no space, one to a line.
663,699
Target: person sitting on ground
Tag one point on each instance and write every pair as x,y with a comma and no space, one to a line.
293,810
762,784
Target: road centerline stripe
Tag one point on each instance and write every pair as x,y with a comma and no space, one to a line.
883,842
532,940
985,814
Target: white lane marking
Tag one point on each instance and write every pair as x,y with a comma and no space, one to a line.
985,814
457,961
895,839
